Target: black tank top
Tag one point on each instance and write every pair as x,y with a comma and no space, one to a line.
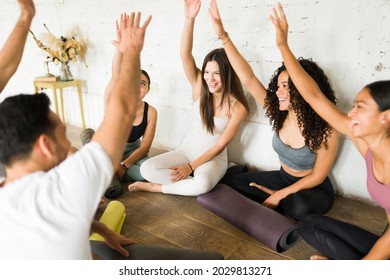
138,130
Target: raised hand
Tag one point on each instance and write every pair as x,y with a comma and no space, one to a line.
131,34
216,18
280,22
27,8
191,8
118,31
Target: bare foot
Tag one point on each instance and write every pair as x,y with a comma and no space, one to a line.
318,257
144,186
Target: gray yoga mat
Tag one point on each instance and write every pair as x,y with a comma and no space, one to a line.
267,226
146,252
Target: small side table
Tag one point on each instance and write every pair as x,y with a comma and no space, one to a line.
60,85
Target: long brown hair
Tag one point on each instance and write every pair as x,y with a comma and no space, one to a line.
231,85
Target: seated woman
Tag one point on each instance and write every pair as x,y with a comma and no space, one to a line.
144,126
220,107
368,125
305,143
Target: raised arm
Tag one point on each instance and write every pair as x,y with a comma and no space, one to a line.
12,51
193,74
115,69
239,64
116,65
114,130
307,87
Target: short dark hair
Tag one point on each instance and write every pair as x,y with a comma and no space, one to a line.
147,76
380,92
23,118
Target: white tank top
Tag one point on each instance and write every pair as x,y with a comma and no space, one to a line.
199,140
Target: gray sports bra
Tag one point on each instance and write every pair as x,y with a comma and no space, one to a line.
298,159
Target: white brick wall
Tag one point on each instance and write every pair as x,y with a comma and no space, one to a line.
350,39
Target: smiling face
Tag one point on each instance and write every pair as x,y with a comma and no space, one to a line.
144,86
366,119
283,91
212,77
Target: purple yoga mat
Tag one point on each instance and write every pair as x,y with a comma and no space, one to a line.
267,226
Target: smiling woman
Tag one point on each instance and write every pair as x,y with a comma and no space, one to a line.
219,108
306,144
368,125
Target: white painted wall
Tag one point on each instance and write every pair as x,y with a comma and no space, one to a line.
350,39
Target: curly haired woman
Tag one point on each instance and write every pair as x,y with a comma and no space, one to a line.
367,124
305,143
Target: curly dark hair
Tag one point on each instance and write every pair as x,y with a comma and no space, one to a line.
314,129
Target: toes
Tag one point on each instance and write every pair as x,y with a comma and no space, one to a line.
132,188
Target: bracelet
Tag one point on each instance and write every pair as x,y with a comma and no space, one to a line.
224,37
124,166
192,170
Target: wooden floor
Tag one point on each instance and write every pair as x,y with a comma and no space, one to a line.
177,221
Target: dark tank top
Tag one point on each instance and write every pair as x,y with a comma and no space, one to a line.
138,130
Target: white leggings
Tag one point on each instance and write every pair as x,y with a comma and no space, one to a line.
158,170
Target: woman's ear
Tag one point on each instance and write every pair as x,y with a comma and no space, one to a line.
386,121
385,116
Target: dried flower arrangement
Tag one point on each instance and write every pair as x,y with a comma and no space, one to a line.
63,49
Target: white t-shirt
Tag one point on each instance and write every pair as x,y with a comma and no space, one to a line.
48,215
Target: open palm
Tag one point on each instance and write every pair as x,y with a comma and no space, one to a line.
191,8
216,18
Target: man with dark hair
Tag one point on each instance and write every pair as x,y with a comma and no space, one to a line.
49,199
23,119
51,193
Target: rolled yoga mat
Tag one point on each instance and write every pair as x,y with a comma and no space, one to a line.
113,217
266,225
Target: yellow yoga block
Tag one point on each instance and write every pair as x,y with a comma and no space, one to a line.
113,217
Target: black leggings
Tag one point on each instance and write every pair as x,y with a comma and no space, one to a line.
335,239
317,200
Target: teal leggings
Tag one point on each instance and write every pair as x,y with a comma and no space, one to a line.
133,173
